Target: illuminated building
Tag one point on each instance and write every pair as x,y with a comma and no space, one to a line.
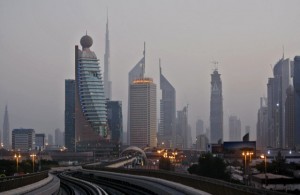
143,120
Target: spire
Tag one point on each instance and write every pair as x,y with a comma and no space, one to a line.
106,74
283,52
144,53
159,66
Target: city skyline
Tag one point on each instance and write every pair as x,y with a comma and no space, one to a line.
188,40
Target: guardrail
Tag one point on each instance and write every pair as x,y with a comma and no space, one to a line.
13,182
206,184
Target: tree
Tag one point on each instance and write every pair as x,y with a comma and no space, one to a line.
165,164
209,166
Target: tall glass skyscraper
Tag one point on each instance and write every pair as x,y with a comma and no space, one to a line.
167,123
90,103
216,108
296,82
70,114
106,74
115,121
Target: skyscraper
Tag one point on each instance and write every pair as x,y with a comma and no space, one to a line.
277,95
290,118
90,103
296,82
167,127
136,72
6,139
235,129
182,129
199,127
262,125
106,74
59,137
115,121
143,125
70,114
216,108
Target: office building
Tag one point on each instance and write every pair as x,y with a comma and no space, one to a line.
143,120
40,141
136,72
59,137
90,102
106,75
23,140
182,129
50,141
115,121
262,125
6,131
235,128
290,118
296,82
70,114
201,143
199,127
216,108
167,128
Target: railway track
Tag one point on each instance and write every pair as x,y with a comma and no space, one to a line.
72,185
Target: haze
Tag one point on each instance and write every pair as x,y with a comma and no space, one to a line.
37,40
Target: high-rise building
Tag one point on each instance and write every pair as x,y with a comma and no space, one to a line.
201,143
23,140
271,114
70,114
199,127
115,121
296,82
143,125
90,102
136,72
262,125
6,131
50,140
277,96
235,128
216,108
290,118
167,125
106,74
182,129
40,141
59,137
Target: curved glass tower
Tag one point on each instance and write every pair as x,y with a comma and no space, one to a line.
90,103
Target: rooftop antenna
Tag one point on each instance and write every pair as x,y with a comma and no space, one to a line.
85,32
215,64
283,52
159,61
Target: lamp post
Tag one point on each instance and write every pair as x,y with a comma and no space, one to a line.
17,158
33,156
245,154
265,158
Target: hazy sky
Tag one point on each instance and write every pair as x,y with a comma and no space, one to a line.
37,40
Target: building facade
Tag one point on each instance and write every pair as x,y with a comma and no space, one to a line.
6,131
216,108
235,128
296,82
182,129
40,141
23,140
115,121
262,125
167,125
90,102
199,127
70,114
138,71
290,118
143,119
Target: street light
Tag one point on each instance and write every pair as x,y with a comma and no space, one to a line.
265,158
17,158
245,154
33,156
